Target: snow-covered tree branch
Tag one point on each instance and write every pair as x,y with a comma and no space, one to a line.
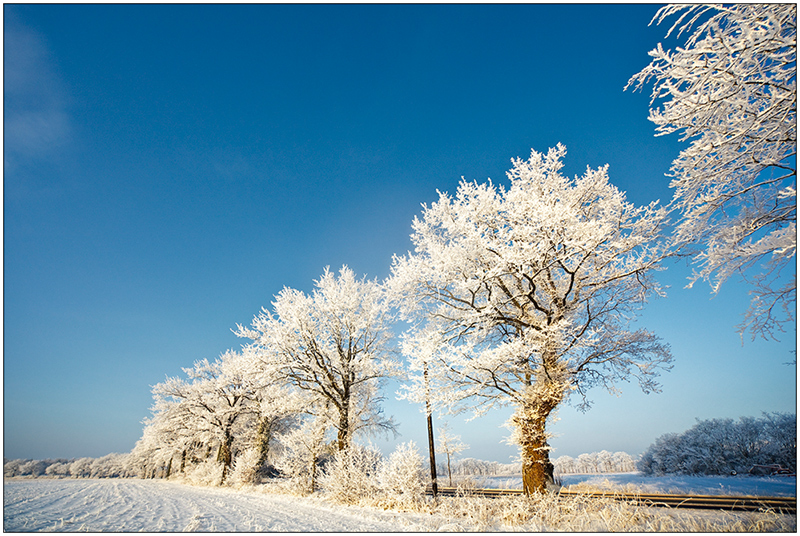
731,91
522,295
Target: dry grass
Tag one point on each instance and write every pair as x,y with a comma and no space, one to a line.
585,514
579,513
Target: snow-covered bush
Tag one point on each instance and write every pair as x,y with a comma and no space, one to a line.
300,454
245,468
206,473
402,477
352,474
722,446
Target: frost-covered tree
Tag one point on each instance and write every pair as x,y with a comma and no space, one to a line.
168,435
564,465
333,345
603,461
731,91
450,445
588,462
522,295
109,466
213,399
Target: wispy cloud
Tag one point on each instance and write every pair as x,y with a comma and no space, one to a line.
36,122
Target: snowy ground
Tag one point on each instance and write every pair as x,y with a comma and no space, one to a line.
130,505
776,486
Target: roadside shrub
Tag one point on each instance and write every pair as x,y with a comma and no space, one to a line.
206,473
302,452
352,475
402,477
245,468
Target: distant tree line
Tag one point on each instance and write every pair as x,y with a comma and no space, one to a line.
596,462
723,446
108,466
475,467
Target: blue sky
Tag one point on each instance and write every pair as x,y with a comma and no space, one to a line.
168,169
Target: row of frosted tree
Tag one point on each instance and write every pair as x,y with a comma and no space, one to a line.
516,296
725,446
520,294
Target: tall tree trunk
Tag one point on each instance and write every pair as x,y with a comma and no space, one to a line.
313,470
530,420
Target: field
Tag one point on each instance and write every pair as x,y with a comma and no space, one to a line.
132,505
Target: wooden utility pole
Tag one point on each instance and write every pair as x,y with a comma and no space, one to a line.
431,448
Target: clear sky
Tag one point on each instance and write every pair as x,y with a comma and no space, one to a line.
168,169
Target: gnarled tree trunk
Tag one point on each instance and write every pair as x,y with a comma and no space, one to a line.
530,419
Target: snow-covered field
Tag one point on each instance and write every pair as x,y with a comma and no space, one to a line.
775,486
131,505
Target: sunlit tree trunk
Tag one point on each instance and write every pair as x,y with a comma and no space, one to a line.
542,396
537,471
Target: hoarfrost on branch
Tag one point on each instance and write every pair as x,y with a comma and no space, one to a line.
731,91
